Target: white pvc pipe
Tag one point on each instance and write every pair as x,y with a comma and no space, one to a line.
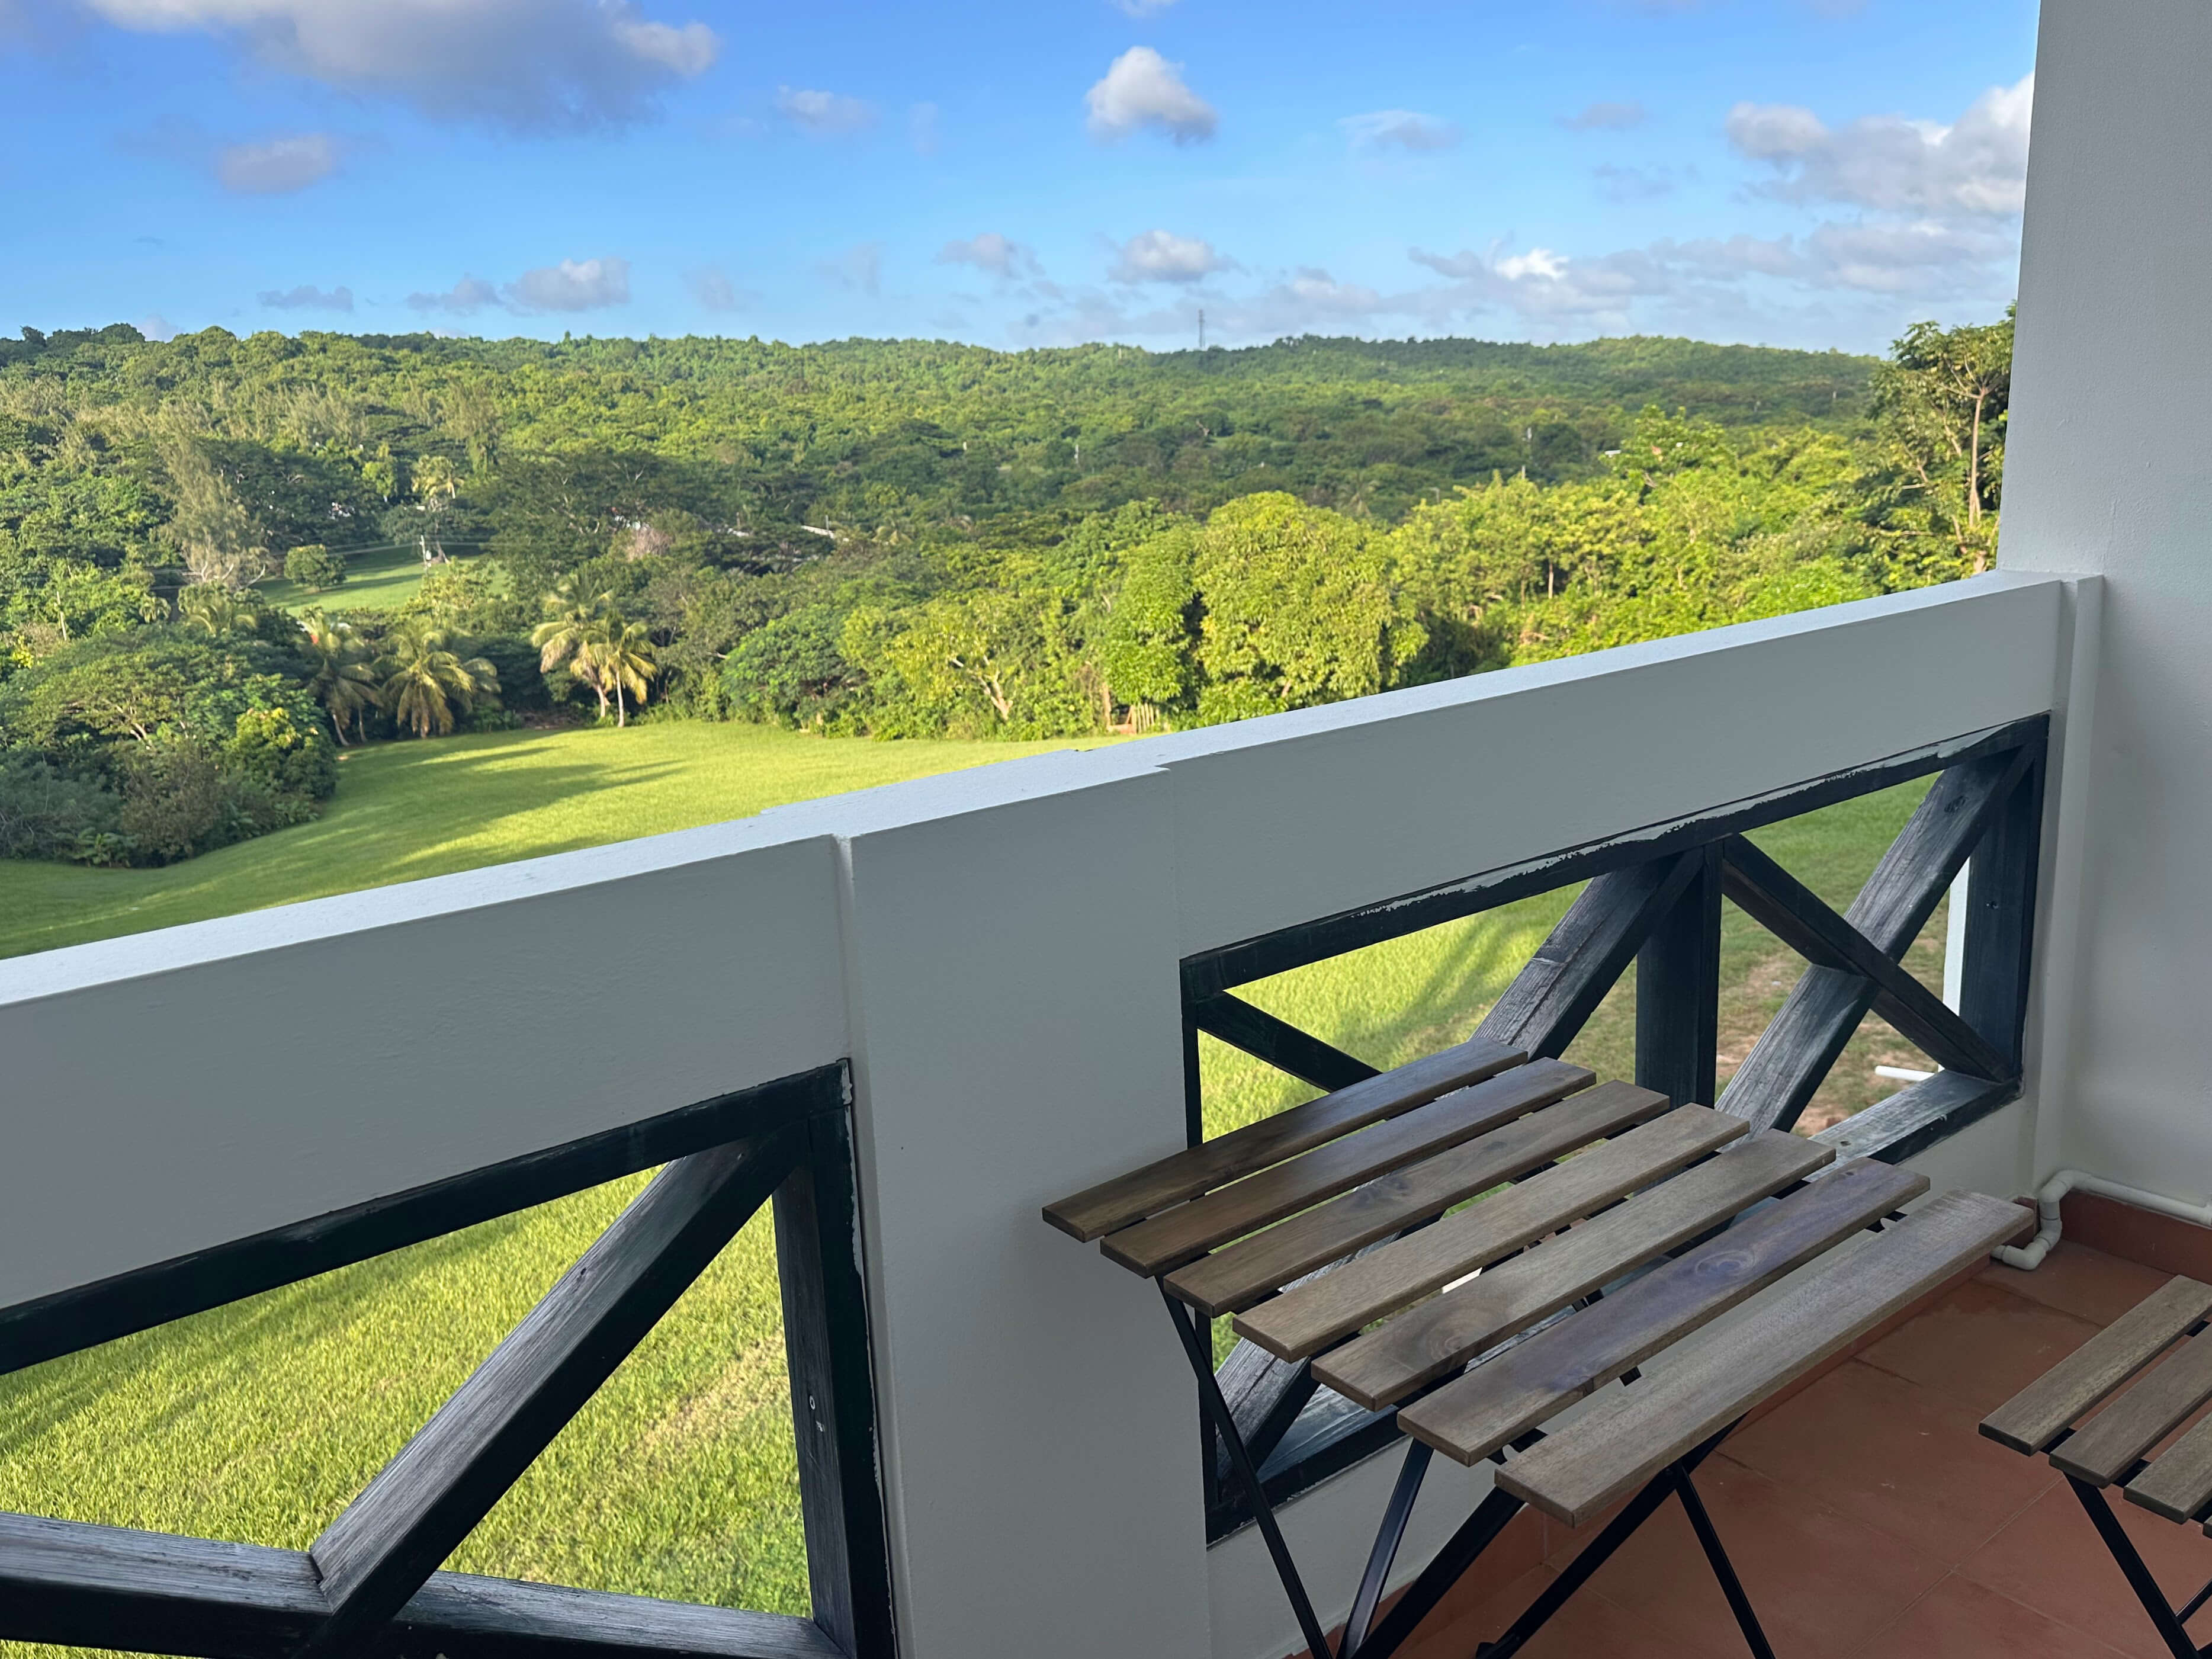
2029,1256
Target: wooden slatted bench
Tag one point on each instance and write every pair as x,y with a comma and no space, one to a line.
2100,1415
1479,1240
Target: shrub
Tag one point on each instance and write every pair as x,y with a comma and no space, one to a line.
315,568
176,802
285,751
792,671
45,813
521,685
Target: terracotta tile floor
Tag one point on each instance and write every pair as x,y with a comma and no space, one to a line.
1867,1517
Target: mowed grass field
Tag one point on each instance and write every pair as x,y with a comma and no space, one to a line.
409,810
260,1420
383,581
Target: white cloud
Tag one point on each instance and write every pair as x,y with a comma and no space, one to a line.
523,62
991,251
1543,285
1143,8
1606,116
276,167
1406,129
308,297
1161,255
861,266
924,128
1143,90
155,326
464,299
1976,166
711,287
823,114
1618,184
572,285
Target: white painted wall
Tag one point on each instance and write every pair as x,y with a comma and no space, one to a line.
997,952
2106,472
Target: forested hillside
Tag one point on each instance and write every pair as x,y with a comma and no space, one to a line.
895,538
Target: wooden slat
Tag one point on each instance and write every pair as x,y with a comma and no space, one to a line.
1169,1180
1167,1241
2108,1445
1235,1276
1800,1044
2046,1408
2178,1484
422,1503
1310,1317
1419,1346
1552,998
1626,1439
1506,1397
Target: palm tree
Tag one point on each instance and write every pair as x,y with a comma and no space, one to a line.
428,680
625,660
217,609
600,647
343,681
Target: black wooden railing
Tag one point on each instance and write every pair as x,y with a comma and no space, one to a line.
369,1585
1653,898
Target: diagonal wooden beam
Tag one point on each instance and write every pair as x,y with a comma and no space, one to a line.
384,1545
1553,998
1278,1042
1787,1065
1801,919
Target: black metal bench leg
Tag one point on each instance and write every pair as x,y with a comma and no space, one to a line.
1724,1569
1201,1355
2162,1616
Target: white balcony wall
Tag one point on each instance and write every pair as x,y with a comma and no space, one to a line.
996,952
2107,472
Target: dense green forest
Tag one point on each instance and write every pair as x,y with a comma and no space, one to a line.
893,538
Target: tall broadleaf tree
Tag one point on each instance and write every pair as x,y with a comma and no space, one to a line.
1932,493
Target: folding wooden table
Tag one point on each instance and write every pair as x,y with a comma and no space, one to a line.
1479,1240
2119,1445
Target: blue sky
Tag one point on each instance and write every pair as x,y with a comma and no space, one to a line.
1809,172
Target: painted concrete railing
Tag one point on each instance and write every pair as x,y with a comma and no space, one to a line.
996,955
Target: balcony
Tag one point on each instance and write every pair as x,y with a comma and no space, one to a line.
933,1008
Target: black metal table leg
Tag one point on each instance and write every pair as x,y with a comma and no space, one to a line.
1387,1540
1617,1532
1724,1569
1199,1353
2162,1616
1476,1534
2195,1602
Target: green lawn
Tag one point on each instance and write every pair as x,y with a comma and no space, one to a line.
258,1421
407,809
374,581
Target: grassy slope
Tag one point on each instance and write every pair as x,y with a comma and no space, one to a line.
374,581
259,1420
409,810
